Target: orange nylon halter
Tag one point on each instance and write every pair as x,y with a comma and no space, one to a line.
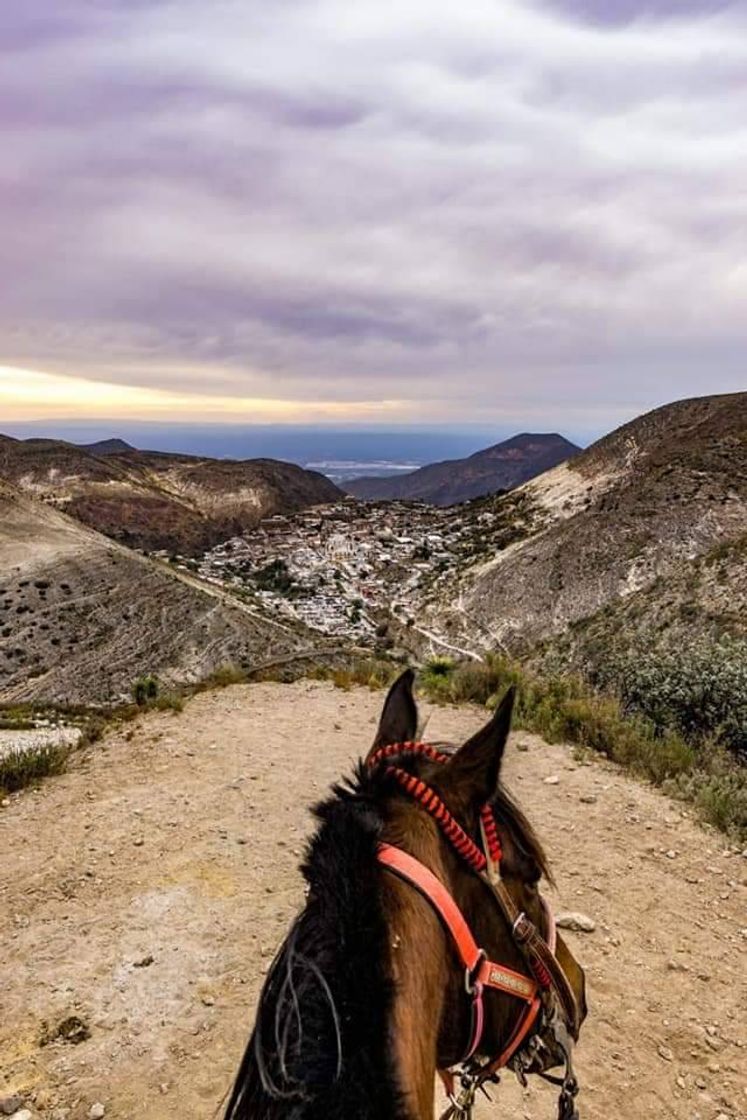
480,973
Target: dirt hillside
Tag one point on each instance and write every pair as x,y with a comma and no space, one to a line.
81,617
145,891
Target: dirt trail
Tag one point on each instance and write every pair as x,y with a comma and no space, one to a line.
145,891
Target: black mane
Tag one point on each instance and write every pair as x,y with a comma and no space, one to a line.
320,1047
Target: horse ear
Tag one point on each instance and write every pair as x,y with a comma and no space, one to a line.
476,767
399,718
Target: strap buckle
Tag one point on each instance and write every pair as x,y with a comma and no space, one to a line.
522,929
470,974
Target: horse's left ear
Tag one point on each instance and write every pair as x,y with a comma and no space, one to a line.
399,718
476,767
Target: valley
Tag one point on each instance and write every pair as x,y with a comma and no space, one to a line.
358,569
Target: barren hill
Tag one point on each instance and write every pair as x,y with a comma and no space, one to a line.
650,522
155,500
150,886
500,467
81,616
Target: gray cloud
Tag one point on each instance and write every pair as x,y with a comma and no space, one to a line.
616,12
318,199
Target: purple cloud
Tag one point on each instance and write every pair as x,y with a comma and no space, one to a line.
322,199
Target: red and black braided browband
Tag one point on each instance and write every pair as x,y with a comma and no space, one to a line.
421,792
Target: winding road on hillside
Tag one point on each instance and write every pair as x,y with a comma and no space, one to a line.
145,891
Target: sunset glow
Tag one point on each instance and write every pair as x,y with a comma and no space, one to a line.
32,395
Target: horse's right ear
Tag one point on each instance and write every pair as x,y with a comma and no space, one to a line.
399,718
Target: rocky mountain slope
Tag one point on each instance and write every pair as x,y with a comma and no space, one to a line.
641,540
500,467
81,616
154,500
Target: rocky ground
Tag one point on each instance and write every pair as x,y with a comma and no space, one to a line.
143,893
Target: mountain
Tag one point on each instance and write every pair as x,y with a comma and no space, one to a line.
81,617
106,446
157,500
500,467
638,543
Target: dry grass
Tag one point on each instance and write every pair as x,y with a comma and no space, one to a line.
25,767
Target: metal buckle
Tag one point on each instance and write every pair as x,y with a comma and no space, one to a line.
469,973
521,921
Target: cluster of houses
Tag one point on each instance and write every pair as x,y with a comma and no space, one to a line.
339,568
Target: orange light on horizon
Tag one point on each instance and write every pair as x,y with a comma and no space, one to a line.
35,395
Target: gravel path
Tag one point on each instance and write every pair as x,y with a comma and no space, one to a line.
146,890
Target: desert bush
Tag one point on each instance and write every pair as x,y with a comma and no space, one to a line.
22,768
225,675
717,787
145,690
699,689
93,730
436,677
565,708
168,702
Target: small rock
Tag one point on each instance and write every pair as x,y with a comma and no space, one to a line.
665,1053
144,962
677,966
96,1111
9,1105
680,1083
581,923
671,854
588,799
552,780
24,1114
138,841
209,1001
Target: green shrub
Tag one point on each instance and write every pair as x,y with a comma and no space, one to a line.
436,677
699,689
564,708
22,768
145,690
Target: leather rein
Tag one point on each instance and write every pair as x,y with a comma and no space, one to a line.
548,1004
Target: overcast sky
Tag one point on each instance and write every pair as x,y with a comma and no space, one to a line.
312,210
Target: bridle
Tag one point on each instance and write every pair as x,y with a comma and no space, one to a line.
549,1019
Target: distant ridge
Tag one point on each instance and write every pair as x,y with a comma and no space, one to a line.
500,467
154,500
113,446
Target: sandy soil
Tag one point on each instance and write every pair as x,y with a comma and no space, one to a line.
145,892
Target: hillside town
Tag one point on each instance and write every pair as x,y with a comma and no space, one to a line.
345,568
